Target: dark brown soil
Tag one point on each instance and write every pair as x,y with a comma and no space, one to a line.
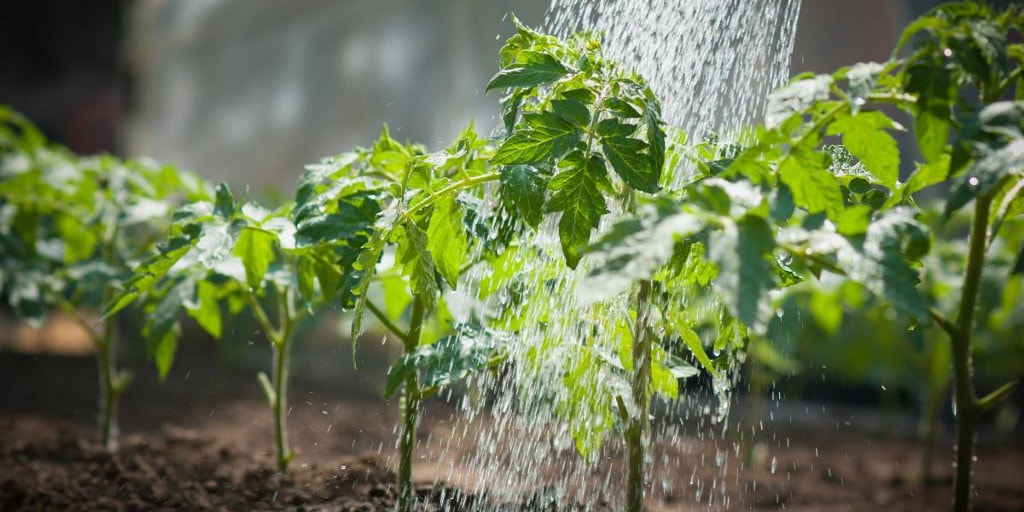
202,441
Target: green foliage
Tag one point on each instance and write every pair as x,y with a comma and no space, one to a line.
594,127
841,212
71,230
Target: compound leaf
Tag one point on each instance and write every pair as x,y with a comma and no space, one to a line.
447,239
865,137
577,194
544,136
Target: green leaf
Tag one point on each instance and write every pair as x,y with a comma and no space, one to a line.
522,191
577,194
255,248
573,111
663,381
854,220
814,188
796,97
530,69
984,174
416,262
629,160
861,80
224,206
655,132
695,345
445,362
205,310
162,350
614,128
162,324
620,107
447,239
365,267
865,137
927,174
744,278
634,249
931,81
306,277
542,137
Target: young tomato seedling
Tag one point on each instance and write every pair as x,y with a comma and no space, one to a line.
71,229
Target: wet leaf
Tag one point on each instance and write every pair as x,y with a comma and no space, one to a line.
543,137
865,137
530,69
256,248
796,97
447,240
984,174
744,279
522,191
628,157
814,188
576,193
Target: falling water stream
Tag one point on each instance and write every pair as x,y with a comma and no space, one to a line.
712,63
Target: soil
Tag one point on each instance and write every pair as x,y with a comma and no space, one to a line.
201,440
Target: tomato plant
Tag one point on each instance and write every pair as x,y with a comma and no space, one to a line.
242,256
419,210
842,210
71,229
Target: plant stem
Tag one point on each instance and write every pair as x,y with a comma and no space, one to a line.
110,387
383,318
280,341
966,401
639,430
410,413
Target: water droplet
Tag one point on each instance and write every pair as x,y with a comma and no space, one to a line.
775,465
973,181
947,52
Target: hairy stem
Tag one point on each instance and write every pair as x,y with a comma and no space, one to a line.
639,430
280,405
111,383
280,341
110,387
410,413
966,401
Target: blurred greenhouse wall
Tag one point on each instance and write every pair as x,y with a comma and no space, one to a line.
248,91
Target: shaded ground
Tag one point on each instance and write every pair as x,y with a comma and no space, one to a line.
201,441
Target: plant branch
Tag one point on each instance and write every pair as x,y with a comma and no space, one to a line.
262,318
943,322
391,326
453,187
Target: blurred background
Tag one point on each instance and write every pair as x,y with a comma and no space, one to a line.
248,91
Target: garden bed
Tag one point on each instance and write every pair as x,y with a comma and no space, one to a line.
205,443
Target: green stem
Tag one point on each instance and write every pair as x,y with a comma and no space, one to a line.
391,326
111,385
410,413
452,188
280,341
966,401
639,430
